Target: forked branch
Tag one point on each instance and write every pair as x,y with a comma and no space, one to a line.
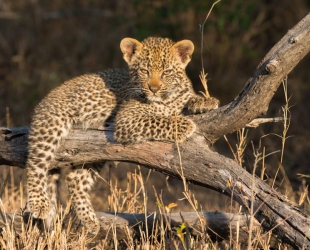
254,99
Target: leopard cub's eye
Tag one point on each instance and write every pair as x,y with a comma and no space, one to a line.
144,71
167,72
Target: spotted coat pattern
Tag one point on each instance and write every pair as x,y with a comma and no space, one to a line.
146,100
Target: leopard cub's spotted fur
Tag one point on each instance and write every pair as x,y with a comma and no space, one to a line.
147,101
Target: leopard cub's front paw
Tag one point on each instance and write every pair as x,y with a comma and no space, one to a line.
201,105
211,103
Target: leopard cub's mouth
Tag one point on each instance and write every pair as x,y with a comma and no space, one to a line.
153,97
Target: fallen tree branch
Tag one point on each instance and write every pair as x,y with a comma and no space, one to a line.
218,225
200,165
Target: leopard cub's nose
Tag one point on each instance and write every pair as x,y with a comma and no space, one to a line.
154,83
154,89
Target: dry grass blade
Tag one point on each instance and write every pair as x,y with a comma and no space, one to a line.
203,75
204,80
201,30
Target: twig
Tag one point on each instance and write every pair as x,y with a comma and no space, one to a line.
256,122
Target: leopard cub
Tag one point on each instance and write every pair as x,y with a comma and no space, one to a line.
147,101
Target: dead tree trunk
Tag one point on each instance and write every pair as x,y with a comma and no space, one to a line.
218,225
199,164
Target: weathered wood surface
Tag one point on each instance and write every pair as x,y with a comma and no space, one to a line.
200,165
218,225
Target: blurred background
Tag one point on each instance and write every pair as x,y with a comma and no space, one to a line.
43,43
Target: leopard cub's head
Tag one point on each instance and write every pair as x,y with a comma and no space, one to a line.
157,65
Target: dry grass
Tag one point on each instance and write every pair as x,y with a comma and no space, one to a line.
134,198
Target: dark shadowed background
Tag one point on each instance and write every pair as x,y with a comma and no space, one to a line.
43,43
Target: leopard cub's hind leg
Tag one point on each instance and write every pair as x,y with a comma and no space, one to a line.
80,182
52,190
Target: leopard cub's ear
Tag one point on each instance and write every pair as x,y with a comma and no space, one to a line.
129,47
183,50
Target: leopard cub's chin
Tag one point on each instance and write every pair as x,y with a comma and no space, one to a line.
154,98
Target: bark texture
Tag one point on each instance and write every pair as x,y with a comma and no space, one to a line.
200,164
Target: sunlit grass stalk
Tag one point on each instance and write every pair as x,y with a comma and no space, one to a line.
286,125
